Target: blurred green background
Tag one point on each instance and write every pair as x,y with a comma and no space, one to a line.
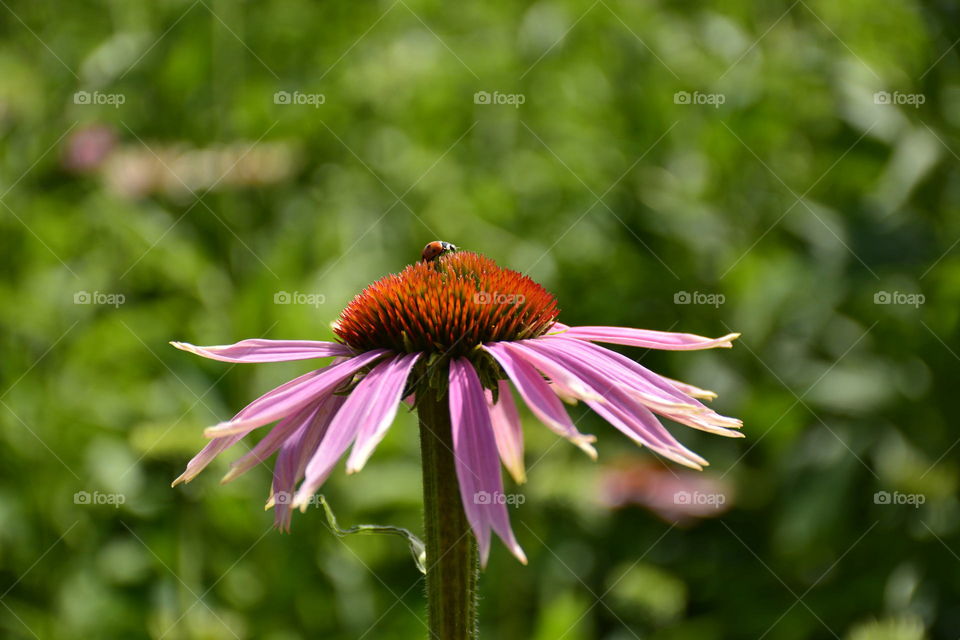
786,169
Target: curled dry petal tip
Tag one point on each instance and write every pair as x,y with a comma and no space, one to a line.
690,464
584,444
695,461
186,346
221,429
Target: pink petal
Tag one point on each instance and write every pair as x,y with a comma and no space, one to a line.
478,470
256,350
200,461
620,408
293,457
649,339
366,405
690,390
507,430
653,390
539,397
535,352
275,406
219,445
382,408
274,440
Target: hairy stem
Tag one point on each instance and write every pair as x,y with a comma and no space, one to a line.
452,565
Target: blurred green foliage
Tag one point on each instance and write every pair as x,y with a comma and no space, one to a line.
803,200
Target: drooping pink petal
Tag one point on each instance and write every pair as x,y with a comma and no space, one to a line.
257,350
563,383
643,377
275,406
293,457
218,445
382,408
620,408
475,452
507,430
200,461
535,352
274,440
691,390
563,395
650,339
650,388
366,404
539,397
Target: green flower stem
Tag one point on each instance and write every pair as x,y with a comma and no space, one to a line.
452,563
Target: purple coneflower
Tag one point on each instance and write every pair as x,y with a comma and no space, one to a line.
450,336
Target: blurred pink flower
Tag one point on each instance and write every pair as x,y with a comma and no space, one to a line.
88,147
676,496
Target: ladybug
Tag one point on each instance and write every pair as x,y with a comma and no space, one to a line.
435,249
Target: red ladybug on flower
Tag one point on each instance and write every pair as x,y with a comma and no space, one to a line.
435,249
